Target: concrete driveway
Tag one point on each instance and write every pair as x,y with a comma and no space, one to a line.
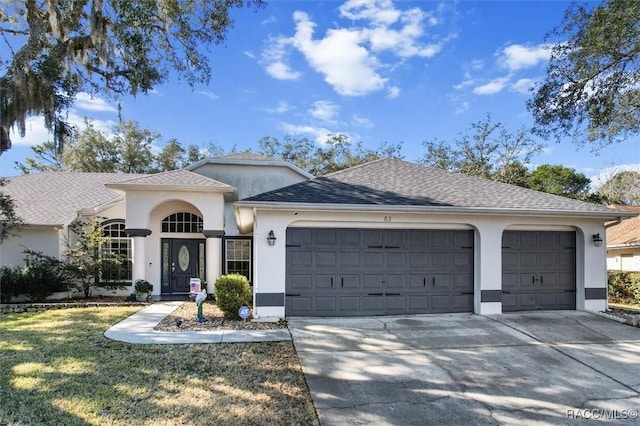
557,367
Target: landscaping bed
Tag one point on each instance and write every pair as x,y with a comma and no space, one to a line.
186,314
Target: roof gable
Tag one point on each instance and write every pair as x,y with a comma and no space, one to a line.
171,180
392,182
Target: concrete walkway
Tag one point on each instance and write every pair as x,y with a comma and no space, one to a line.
139,328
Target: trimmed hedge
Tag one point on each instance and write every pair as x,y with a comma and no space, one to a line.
39,278
624,287
232,291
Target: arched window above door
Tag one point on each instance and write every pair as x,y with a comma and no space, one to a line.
183,222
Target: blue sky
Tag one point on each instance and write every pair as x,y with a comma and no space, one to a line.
378,71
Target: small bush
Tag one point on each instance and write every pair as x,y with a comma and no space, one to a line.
42,276
232,291
143,286
624,287
10,282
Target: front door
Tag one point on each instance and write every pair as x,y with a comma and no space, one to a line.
181,262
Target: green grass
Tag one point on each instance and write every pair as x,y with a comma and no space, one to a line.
57,368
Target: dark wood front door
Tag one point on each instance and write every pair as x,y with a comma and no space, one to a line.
180,263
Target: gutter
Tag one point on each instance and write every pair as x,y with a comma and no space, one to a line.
613,215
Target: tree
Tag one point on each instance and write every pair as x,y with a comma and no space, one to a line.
9,219
592,87
90,151
622,188
171,157
60,47
559,180
337,154
86,260
133,146
488,150
45,159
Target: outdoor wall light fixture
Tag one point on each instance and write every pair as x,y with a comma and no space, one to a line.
597,240
271,238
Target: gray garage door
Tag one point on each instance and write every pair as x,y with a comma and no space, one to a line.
349,272
538,270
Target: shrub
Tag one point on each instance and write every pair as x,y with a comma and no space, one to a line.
143,286
624,287
10,282
42,276
232,291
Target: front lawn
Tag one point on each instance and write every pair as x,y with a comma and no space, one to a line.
56,367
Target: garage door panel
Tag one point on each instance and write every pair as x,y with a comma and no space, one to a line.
509,259
324,282
375,260
509,281
372,281
349,260
325,237
378,272
350,281
441,260
547,260
418,260
300,260
349,238
528,259
396,281
441,238
325,260
372,304
300,282
396,260
349,303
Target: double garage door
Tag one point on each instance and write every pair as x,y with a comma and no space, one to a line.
349,272
352,272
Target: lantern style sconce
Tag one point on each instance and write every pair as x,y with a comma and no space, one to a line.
271,238
597,240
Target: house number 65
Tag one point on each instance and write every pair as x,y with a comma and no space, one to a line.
387,218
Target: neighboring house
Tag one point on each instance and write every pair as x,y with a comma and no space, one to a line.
623,243
386,237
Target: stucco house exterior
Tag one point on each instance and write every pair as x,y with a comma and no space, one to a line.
386,237
623,243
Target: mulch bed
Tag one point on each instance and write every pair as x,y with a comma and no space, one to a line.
186,315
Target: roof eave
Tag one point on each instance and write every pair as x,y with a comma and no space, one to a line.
268,205
180,188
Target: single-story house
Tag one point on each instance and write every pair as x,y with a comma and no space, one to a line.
623,243
385,237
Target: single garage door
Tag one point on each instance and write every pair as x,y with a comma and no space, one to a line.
350,272
538,270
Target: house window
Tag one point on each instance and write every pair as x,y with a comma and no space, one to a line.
238,256
182,222
117,253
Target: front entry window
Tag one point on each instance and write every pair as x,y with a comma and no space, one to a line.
238,256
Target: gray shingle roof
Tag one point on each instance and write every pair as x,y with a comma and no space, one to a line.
392,182
54,198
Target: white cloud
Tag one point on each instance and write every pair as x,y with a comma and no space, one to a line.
492,87
36,133
208,94
354,59
516,56
274,59
359,121
523,85
393,92
326,111
318,133
88,102
281,108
